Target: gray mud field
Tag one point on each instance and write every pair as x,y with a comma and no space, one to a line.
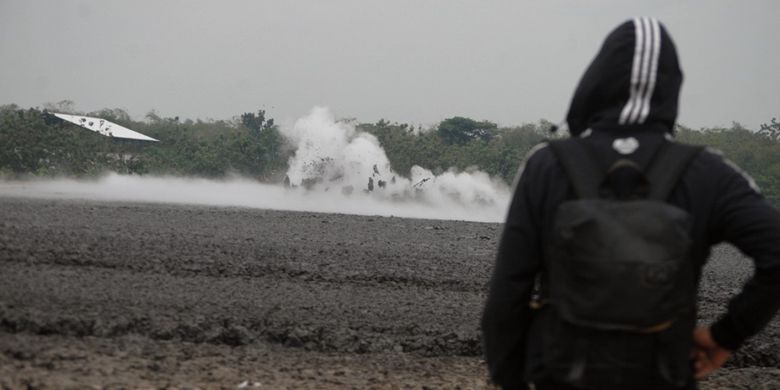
102,295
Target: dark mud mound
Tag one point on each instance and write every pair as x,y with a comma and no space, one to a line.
326,283
195,296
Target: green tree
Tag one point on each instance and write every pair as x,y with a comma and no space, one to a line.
256,122
459,130
771,130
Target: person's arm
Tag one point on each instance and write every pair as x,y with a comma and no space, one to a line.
708,356
506,317
745,219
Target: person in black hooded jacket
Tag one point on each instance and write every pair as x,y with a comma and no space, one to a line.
625,106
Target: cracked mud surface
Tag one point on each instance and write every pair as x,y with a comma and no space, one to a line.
145,295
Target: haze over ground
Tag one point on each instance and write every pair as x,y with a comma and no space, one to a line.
347,171
409,61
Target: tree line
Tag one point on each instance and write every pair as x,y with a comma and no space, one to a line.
34,143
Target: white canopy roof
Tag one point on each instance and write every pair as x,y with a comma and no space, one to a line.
103,127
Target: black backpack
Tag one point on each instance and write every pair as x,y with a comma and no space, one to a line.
618,276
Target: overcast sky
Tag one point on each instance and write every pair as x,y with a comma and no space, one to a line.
415,61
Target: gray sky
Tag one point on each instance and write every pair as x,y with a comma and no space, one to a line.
416,61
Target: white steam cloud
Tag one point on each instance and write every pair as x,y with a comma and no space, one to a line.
335,169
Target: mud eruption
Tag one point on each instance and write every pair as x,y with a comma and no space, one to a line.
334,155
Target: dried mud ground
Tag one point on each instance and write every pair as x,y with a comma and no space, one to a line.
104,295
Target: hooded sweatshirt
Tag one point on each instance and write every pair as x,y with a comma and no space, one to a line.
625,106
632,84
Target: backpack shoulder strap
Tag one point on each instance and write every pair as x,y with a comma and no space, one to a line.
667,166
580,166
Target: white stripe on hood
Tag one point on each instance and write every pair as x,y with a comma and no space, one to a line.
644,71
634,83
656,31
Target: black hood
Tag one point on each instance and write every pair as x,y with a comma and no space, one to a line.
632,84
